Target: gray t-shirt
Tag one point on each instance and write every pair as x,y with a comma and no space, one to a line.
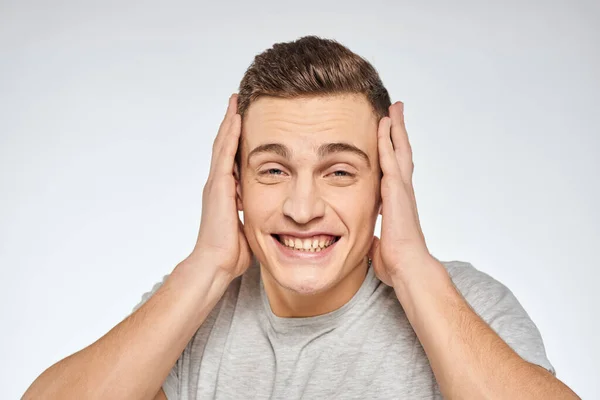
365,349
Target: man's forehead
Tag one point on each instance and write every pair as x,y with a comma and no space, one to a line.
309,104
332,116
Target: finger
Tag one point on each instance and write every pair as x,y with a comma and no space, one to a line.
416,209
387,158
231,111
223,129
226,123
226,157
400,141
402,148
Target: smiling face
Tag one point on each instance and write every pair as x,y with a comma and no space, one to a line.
310,197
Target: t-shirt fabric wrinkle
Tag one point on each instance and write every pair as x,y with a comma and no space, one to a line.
365,349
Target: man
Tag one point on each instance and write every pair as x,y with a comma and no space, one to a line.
301,300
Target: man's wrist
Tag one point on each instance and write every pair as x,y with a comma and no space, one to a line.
198,268
413,268
420,276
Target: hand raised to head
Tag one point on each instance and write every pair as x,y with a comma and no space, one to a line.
221,238
401,236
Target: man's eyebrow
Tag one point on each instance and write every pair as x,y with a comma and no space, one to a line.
331,148
324,150
276,148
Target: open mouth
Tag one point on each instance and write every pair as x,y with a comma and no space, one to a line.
313,244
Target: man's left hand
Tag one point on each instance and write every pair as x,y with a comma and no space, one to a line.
402,241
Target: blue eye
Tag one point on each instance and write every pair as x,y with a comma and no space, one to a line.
341,173
273,171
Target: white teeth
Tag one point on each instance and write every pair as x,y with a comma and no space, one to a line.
314,244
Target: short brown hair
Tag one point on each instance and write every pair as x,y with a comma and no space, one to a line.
311,66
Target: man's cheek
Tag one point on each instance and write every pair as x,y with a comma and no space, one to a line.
255,194
260,201
355,198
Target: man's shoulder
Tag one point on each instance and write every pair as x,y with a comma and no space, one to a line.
459,269
480,289
465,275
497,305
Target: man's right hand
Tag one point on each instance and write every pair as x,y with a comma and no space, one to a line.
139,352
221,238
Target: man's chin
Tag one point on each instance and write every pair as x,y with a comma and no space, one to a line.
302,279
304,273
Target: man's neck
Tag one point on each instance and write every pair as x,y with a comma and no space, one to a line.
288,304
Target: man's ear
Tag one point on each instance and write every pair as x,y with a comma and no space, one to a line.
379,199
238,187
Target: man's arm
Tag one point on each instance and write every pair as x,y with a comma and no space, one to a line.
468,358
134,358
160,395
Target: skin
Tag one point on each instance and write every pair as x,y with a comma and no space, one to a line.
468,359
305,191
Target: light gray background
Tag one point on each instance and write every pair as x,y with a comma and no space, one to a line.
108,111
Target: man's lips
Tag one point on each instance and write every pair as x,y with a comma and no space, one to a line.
309,243
293,254
303,235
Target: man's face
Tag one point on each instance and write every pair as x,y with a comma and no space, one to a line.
310,187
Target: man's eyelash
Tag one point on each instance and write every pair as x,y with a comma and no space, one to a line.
346,174
277,171
270,170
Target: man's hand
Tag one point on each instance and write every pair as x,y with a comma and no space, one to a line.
402,241
138,353
221,237
468,359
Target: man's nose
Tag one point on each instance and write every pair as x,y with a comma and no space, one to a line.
303,202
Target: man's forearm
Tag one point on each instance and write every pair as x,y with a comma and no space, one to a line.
134,358
468,358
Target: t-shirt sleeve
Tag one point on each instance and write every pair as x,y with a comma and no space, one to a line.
171,384
501,310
